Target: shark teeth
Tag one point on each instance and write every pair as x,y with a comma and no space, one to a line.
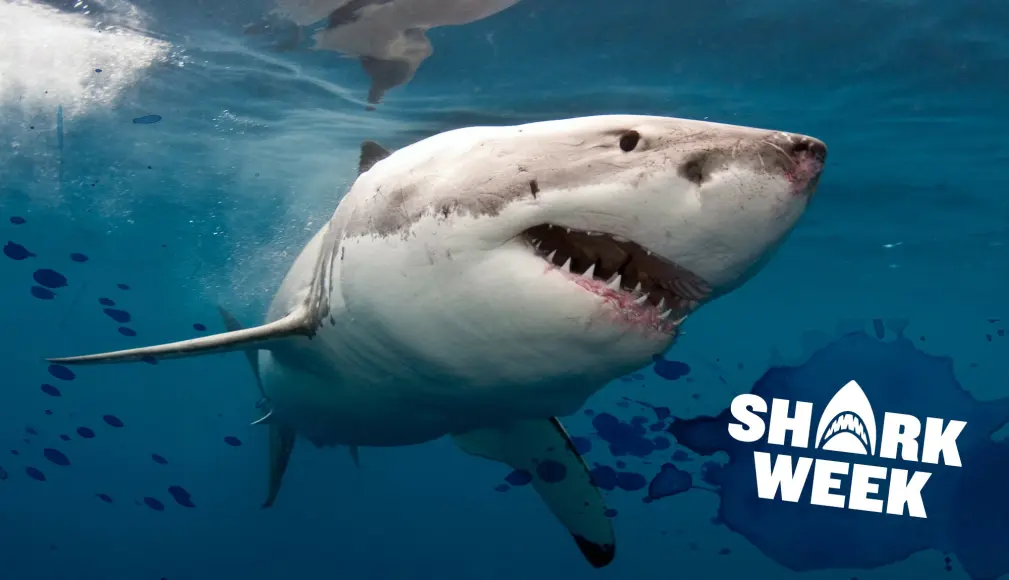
620,266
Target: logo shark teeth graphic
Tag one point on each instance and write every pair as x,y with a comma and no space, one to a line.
848,424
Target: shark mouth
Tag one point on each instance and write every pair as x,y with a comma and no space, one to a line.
641,286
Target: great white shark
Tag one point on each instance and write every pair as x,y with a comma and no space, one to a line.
482,282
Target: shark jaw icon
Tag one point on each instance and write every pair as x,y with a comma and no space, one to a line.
847,424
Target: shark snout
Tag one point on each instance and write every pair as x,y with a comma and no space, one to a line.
802,159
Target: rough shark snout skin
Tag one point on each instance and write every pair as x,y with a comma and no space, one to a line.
847,423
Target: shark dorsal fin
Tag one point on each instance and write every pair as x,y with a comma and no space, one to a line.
371,153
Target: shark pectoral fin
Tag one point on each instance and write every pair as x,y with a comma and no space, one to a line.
297,323
543,449
252,354
281,444
355,456
371,153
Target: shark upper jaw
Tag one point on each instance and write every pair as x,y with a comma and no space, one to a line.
642,289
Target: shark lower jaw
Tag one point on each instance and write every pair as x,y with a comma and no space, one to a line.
637,287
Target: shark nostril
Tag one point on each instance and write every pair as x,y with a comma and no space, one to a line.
629,140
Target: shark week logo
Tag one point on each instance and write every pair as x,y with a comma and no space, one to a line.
847,425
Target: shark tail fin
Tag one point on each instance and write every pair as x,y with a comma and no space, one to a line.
298,323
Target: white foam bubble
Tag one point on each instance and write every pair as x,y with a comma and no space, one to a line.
50,56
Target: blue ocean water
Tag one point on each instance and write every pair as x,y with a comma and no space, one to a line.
157,160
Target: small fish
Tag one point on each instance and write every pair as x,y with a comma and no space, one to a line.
147,119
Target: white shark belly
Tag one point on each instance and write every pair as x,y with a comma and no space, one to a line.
327,409
379,403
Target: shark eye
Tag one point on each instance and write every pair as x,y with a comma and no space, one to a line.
629,140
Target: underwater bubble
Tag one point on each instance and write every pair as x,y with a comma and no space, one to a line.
120,316
154,504
35,474
49,278
42,293
51,391
61,372
233,441
181,496
17,251
113,420
85,432
78,257
147,119
56,456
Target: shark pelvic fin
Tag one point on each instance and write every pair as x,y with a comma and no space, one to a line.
281,445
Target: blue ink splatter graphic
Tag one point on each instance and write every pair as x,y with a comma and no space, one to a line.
896,377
